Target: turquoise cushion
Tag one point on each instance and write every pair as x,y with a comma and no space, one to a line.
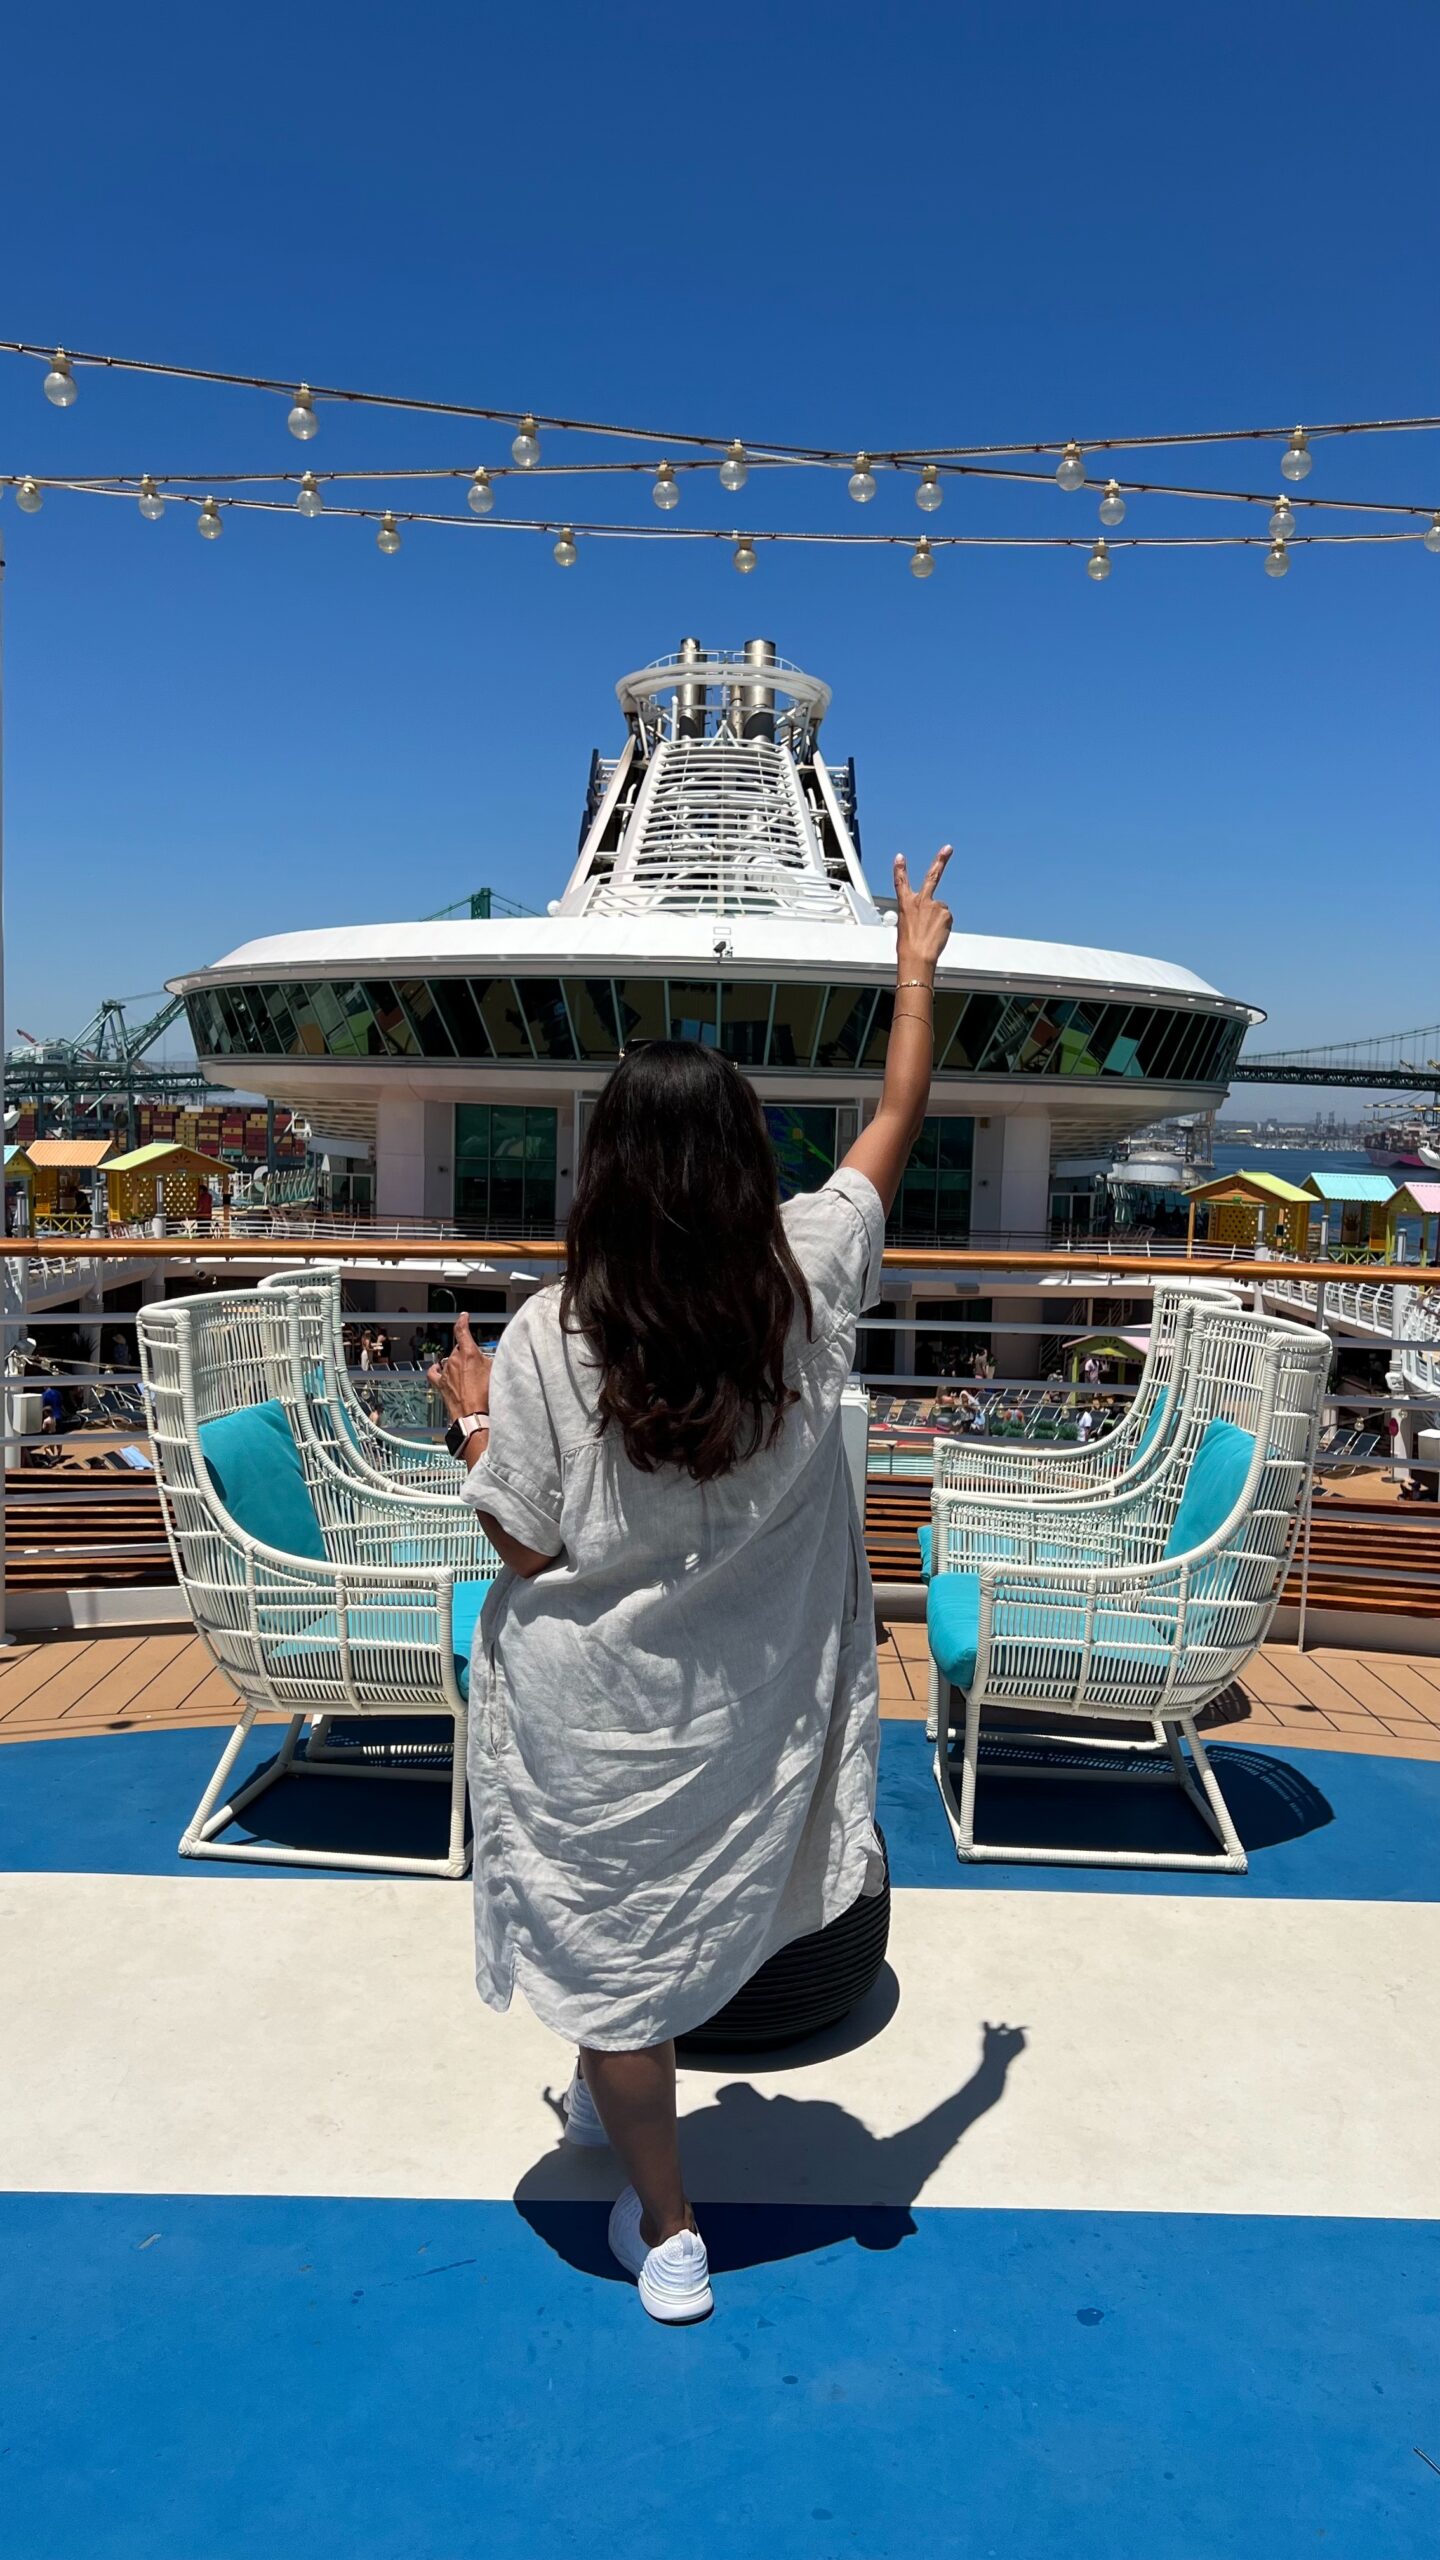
922,1540
952,1616
394,1626
952,1619
255,1469
1157,1416
1213,1486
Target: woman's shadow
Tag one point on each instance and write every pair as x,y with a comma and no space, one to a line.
812,2173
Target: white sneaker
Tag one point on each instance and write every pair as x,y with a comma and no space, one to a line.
583,2128
674,2280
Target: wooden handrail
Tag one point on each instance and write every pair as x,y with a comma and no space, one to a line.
1072,1259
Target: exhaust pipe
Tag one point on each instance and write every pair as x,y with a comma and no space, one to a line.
692,699
757,701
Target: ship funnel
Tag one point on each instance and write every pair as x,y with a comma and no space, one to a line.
757,701
691,698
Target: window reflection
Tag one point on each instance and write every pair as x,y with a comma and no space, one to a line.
760,1024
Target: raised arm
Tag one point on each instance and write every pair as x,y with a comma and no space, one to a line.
882,1150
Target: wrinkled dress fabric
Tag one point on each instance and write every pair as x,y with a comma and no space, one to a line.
673,1730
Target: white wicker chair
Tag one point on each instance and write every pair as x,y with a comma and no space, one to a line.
996,1467
1139,1608
322,1385
375,1620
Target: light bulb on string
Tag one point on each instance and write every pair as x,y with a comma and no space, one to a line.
302,421
59,384
526,446
29,497
666,491
744,556
480,497
734,470
922,559
1070,469
152,505
1431,535
1277,560
1282,520
861,483
1297,458
388,537
566,554
211,527
929,495
308,501
1112,505
1099,564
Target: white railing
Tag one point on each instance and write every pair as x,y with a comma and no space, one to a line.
1369,1307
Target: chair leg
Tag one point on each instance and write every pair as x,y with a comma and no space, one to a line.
200,1838
1206,1798
932,1712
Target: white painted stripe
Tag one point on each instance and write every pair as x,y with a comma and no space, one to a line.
220,2035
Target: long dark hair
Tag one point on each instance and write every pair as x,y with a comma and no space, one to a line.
678,1273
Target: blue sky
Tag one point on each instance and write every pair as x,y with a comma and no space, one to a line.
817,224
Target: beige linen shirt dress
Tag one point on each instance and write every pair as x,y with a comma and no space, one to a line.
673,1730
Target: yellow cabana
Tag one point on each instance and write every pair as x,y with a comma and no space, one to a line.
162,1180
1250,1209
64,1171
1125,1350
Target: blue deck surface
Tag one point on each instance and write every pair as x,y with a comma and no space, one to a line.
252,2377
1325,1825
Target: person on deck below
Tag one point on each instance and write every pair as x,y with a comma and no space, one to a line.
674,1719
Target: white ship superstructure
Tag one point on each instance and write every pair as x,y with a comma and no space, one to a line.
718,895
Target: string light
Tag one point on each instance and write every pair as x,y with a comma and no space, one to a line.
862,481
526,447
929,494
1070,469
1112,505
388,537
59,385
480,497
1282,520
1099,564
1297,459
744,556
308,501
302,421
29,497
152,505
1431,535
922,558
1277,561
735,470
566,554
211,527
666,492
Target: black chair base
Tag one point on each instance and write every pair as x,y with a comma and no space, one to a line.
805,1986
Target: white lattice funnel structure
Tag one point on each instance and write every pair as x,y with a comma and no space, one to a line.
721,803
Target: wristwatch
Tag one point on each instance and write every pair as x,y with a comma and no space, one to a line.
464,1428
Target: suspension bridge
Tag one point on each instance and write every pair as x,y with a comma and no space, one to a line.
1393,1062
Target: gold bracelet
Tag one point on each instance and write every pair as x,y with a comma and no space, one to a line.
927,983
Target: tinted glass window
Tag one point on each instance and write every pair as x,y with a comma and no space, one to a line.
500,1008
845,1026
505,1166
795,1024
760,1025
694,1011
458,1010
591,1005
934,1194
804,1144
